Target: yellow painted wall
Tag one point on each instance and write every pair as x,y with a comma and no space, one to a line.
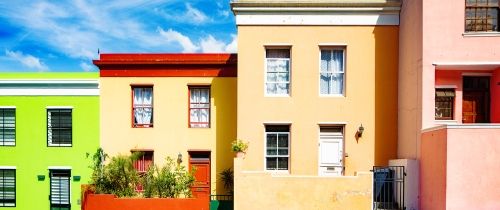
370,94
170,134
265,191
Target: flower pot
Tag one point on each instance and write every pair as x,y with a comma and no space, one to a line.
240,154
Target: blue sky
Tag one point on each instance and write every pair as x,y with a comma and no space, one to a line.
38,35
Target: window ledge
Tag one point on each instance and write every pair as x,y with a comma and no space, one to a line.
331,95
445,122
278,172
481,34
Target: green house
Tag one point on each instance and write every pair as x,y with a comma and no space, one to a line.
48,123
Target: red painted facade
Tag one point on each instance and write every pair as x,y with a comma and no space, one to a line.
111,202
167,65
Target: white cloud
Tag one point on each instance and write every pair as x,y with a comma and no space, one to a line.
208,44
174,36
233,46
194,15
87,67
212,45
26,60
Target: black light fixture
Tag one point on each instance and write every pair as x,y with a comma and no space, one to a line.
179,158
361,129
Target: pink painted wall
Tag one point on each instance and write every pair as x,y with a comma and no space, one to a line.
433,170
473,167
495,96
459,168
444,41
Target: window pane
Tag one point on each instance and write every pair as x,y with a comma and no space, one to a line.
331,72
271,151
59,187
282,140
283,151
277,53
282,163
143,106
470,2
271,163
271,77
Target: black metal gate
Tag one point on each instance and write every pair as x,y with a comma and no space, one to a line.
388,187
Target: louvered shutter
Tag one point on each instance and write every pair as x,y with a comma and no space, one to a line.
59,188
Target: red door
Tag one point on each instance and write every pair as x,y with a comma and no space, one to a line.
201,162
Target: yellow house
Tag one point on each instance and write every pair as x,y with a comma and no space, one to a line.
317,101
177,105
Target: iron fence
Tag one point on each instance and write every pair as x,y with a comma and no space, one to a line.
388,187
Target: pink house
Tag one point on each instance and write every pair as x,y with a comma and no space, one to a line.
449,101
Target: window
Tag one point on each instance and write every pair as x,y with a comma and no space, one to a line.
444,104
7,187
277,147
277,71
7,126
59,127
143,106
60,192
142,164
199,107
332,72
481,15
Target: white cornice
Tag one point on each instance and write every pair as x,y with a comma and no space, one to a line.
303,12
45,87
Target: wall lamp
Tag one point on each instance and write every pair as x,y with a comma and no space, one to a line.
179,158
361,129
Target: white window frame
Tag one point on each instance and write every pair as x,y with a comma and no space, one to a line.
278,47
50,144
277,155
15,124
15,186
330,48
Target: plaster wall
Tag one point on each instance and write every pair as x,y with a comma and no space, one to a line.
433,170
473,163
410,78
260,190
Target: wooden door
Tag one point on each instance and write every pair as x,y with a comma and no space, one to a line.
475,104
201,162
331,151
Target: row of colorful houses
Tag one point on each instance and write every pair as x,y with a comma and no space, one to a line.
323,91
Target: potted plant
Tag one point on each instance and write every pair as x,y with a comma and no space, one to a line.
239,147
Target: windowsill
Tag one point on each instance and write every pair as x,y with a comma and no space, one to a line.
481,34
445,122
332,95
277,96
142,126
60,145
278,172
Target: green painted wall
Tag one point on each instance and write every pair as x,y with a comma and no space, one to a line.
31,155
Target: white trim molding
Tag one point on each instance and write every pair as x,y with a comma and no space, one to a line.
59,107
44,87
306,12
445,87
467,65
463,126
277,123
331,123
8,167
7,107
59,168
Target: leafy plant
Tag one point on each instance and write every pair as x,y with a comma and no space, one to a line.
239,145
169,181
227,178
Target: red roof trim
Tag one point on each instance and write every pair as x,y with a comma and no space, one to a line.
167,65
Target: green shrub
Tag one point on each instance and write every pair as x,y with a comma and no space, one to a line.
169,181
239,145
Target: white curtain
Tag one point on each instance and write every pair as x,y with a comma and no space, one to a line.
278,71
143,109
200,107
332,72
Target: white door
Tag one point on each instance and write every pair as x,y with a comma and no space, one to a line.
331,153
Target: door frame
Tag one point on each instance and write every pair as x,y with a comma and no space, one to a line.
66,169
202,159
486,96
342,155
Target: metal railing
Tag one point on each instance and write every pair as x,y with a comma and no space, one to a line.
388,187
221,197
